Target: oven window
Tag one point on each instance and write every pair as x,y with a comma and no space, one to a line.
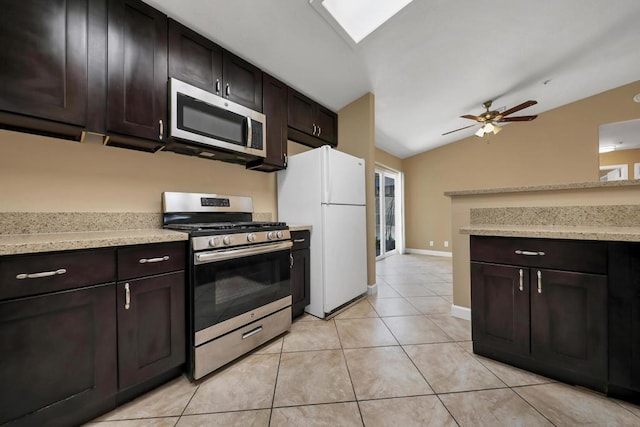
210,121
228,288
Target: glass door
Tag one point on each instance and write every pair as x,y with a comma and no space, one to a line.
386,184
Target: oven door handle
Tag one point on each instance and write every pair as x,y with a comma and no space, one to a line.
207,257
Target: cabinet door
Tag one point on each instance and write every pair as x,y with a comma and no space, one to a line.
151,327
327,122
500,307
137,70
275,108
58,356
569,321
242,82
194,59
301,112
43,60
300,281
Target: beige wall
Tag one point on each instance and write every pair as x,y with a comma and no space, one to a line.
560,146
389,160
40,174
629,157
356,136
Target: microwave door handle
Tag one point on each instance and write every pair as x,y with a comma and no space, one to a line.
249,132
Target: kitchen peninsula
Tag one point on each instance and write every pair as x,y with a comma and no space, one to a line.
551,275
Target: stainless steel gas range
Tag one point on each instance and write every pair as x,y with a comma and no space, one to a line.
238,295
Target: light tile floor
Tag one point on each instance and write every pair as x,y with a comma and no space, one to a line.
395,359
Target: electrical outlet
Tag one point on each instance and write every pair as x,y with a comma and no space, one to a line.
431,243
446,243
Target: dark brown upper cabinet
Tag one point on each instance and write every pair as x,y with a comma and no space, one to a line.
200,62
136,75
194,59
242,82
309,122
43,65
274,102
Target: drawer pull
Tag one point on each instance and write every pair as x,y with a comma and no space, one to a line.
298,240
521,280
252,332
539,282
151,260
127,296
43,274
530,253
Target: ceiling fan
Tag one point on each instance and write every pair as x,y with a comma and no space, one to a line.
490,119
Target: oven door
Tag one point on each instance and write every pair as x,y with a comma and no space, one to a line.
236,285
202,117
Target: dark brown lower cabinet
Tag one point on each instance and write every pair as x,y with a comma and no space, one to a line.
300,272
58,356
151,334
549,321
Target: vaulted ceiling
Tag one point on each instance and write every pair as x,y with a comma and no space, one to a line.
436,59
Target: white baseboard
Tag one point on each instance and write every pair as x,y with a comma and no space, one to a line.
428,252
461,312
372,289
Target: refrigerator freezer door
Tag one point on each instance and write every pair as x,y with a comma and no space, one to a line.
343,178
344,254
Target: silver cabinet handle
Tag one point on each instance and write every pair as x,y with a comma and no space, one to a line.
42,274
290,261
127,296
228,90
249,132
298,240
161,128
521,280
314,129
217,85
319,130
539,282
252,332
151,260
530,253
285,160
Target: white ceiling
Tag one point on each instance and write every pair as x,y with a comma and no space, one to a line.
436,59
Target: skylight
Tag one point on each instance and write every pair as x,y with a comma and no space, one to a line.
359,18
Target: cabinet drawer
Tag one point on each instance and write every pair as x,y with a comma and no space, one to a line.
574,255
145,260
25,275
300,240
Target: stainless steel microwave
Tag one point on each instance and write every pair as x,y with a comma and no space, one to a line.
206,119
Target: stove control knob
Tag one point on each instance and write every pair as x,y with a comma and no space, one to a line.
251,237
279,234
214,242
271,235
226,240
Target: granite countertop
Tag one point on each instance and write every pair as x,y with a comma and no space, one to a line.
620,234
625,183
299,227
12,244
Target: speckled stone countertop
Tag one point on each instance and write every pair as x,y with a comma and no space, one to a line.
626,183
12,244
613,234
299,227
33,232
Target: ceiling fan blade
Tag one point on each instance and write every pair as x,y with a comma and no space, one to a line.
451,131
517,119
472,117
518,107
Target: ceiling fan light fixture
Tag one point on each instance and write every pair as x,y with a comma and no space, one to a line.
480,132
488,127
496,129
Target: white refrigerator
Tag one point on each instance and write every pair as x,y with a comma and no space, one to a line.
325,188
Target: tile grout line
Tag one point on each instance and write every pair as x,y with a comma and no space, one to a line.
275,384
